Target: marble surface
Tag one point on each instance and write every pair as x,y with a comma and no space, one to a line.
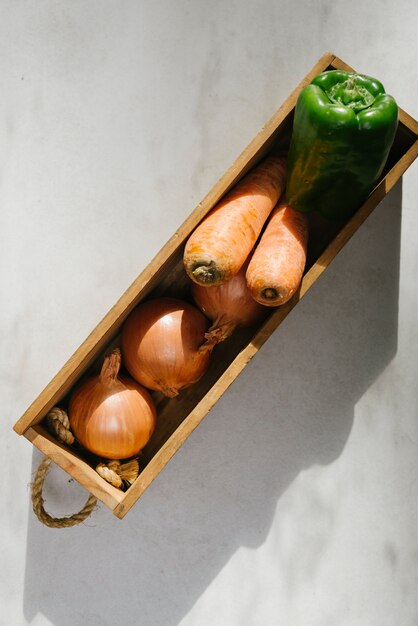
295,502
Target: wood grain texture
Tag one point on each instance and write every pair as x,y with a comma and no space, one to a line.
178,417
73,465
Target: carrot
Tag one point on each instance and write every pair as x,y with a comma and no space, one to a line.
219,246
276,268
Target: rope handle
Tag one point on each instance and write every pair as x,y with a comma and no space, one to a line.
114,472
38,502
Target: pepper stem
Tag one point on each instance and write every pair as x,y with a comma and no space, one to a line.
110,368
351,93
351,83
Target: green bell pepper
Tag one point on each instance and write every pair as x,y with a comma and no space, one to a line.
343,130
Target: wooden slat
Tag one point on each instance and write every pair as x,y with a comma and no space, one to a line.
102,334
75,467
408,121
339,64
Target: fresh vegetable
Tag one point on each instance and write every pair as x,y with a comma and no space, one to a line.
343,130
219,246
276,268
160,345
112,415
228,306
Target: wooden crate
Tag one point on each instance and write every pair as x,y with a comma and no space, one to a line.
178,417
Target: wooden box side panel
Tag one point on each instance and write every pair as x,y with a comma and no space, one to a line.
149,278
76,467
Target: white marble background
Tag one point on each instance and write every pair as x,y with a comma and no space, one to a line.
295,502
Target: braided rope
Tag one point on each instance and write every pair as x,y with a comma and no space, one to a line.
109,473
117,473
59,423
38,502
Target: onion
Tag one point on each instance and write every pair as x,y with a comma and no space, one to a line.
228,306
110,415
160,345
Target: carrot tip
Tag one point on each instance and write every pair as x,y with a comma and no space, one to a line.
206,274
270,293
